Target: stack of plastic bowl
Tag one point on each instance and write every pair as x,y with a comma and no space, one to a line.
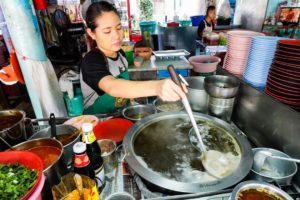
283,82
260,58
238,47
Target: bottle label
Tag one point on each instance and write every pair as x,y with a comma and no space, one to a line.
89,138
81,160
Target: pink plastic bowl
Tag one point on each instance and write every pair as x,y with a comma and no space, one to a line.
204,64
37,193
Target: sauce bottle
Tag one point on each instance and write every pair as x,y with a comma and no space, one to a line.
82,164
94,152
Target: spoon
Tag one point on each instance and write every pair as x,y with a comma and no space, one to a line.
261,156
79,185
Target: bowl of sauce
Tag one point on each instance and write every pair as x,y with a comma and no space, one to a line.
48,154
257,190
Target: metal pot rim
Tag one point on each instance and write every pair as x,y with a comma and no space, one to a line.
17,123
240,172
252,183
60,125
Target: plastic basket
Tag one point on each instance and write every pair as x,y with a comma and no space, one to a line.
149,26
185,22
197,19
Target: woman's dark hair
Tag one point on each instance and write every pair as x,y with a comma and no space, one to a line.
210,8
95,10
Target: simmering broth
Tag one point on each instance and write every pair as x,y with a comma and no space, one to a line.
48,154
164,147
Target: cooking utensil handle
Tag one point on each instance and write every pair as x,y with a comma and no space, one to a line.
287,159
52,125
174,76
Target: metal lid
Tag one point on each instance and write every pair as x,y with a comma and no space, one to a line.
79,147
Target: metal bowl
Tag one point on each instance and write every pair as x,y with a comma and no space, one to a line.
165,106
259,188
138,112
12,127
285,169
197,95
219,86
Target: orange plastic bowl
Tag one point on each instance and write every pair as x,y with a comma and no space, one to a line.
25,158
112,129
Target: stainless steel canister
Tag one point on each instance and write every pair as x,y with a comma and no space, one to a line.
221,108
109,155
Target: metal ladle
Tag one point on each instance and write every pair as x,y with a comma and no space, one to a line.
213,161
188,109
261,156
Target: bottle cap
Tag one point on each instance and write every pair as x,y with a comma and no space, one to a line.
87,127
79,147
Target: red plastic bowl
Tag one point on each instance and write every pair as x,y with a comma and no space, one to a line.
112,129
25,158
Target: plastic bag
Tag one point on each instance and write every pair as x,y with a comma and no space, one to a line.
223,9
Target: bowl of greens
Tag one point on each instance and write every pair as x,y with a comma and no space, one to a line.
20,174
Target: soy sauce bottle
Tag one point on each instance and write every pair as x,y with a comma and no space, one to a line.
94,152
82,164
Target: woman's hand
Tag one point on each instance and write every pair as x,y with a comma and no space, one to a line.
167,90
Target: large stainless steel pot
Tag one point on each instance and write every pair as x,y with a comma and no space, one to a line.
68,144
163,153
12,127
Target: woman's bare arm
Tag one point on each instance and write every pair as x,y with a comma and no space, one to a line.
166,89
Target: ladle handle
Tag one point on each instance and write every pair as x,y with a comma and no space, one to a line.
52,125
174,76
286,159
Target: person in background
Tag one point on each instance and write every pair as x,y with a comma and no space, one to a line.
207,25
104,76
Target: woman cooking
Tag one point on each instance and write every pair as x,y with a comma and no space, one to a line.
104,77
207,25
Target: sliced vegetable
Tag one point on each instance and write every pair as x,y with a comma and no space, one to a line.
15,180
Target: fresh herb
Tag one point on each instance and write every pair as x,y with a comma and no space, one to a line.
15,180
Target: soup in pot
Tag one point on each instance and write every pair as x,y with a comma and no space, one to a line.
48,154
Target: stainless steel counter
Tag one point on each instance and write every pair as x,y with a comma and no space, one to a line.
157,64
267,122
